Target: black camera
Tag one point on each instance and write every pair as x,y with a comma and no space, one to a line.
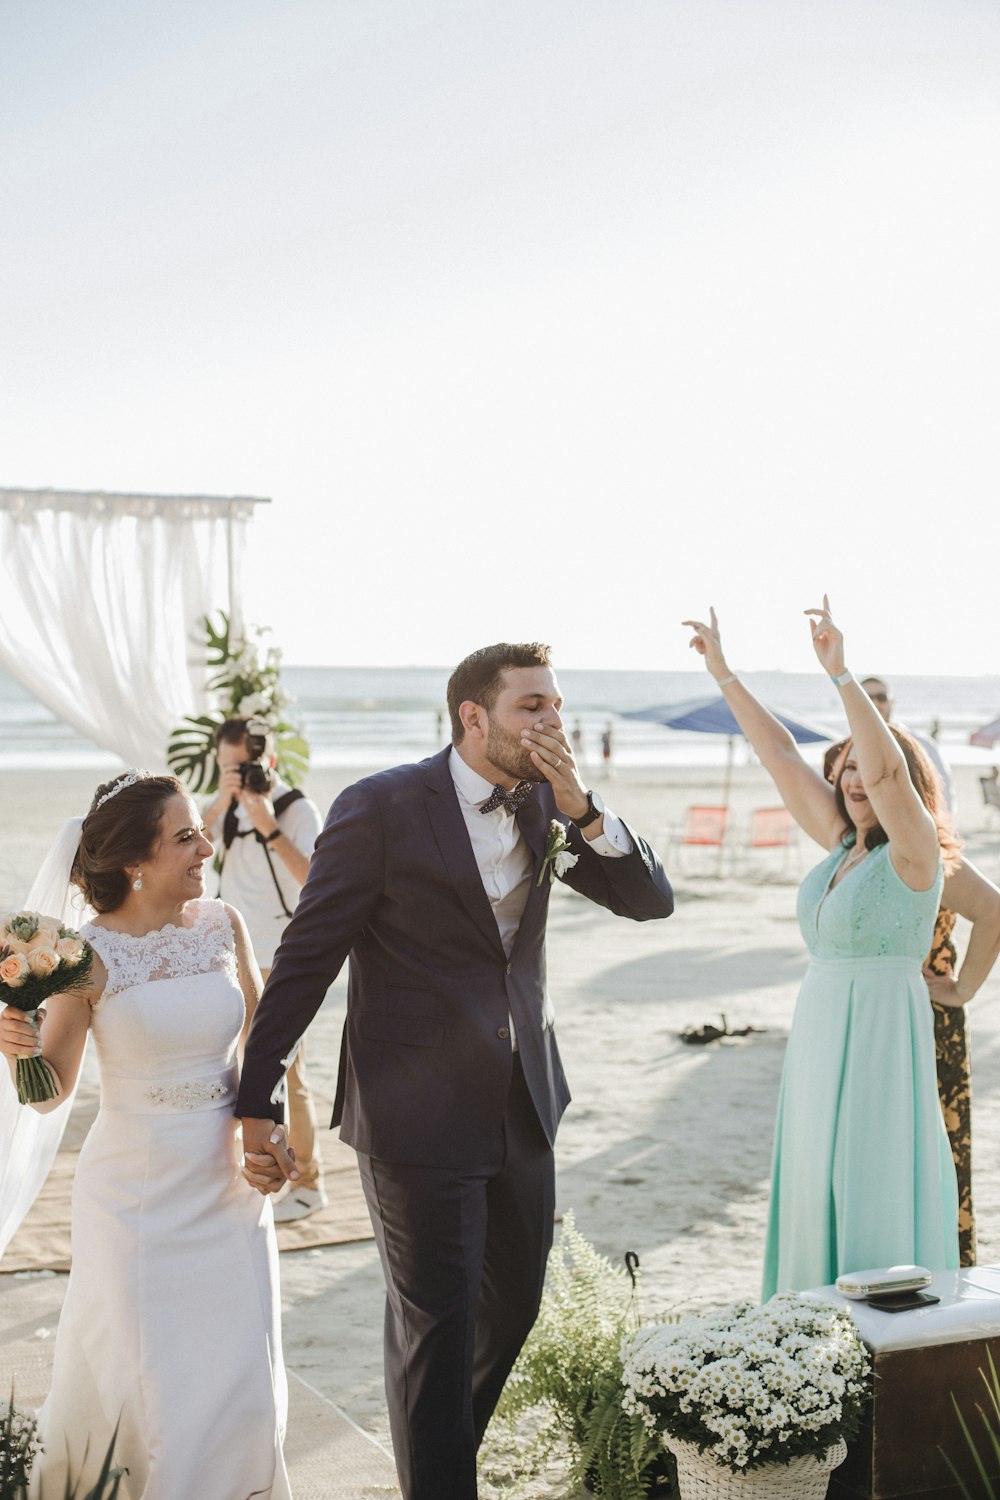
255,773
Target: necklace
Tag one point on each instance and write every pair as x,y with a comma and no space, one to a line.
855,857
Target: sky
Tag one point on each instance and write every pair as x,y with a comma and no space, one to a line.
544,319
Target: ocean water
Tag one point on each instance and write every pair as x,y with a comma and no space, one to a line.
379,716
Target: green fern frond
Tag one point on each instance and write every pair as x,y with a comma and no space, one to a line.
570,1367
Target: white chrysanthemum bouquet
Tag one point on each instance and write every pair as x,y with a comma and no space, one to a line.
38,958
751,1385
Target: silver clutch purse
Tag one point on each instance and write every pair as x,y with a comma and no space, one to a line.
883,1281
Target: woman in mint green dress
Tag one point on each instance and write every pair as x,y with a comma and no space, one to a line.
862,1174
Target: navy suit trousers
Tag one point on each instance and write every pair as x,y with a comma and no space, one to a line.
463,1252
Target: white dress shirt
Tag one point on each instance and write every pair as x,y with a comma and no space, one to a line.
246,881
503,854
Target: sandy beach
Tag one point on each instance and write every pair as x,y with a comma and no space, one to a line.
665,1149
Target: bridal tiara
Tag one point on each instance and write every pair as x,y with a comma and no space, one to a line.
128,780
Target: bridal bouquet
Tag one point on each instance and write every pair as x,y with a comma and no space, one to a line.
38,958
751,1385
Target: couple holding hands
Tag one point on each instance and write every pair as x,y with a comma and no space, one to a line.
435,880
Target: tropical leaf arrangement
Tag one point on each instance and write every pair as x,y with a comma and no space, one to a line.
561,1410
987,1462
246,679
20,1446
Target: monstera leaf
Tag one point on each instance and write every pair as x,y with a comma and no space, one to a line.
217,638
191,752
293,755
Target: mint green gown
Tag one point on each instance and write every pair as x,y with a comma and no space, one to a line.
862,1173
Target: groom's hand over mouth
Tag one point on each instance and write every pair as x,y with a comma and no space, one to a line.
552,754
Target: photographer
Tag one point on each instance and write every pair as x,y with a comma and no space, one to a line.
264,833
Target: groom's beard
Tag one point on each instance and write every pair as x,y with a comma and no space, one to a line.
505,751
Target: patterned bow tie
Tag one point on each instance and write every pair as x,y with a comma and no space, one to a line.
500,797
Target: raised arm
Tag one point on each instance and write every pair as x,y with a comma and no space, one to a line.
968,892
59,1039
913,839
809,798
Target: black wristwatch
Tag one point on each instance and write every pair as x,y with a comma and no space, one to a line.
595,810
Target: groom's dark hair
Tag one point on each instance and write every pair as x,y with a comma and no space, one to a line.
479,678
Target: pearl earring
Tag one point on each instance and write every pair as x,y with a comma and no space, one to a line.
137,883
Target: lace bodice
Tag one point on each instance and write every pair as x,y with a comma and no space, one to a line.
171,952
168,1023
871,913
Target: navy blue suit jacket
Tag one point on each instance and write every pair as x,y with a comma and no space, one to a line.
426,1059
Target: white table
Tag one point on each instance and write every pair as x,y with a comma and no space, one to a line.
920,1358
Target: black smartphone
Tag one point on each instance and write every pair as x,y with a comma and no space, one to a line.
902,1301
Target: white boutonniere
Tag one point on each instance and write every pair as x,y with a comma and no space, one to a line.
558,858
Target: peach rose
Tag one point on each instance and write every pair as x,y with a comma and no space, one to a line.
46,937
70,950
15,944
43,962
14,970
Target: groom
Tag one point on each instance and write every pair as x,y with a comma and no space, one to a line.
435,879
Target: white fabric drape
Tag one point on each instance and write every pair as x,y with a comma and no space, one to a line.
101,598
100,602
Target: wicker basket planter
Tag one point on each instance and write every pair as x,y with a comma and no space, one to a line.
699,1477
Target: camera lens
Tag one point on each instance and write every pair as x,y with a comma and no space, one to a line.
255,776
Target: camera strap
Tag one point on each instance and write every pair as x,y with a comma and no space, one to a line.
280,803
231,832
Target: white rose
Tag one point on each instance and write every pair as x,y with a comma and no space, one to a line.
564,861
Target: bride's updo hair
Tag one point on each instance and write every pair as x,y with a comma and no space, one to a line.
119,830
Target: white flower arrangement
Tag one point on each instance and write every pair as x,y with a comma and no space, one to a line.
246,684
751,1385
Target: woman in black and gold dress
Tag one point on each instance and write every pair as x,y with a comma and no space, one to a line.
967,893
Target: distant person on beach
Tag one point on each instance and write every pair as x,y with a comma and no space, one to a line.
862,1173
577,741
268,832
168,1349
606,748
967,893
435,879
880,693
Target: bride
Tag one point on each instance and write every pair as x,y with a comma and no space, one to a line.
170,1329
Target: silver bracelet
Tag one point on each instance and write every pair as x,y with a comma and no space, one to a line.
725,681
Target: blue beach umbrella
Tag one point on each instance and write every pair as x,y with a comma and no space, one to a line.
987,736
714,716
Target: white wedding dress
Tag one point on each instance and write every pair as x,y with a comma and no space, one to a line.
170,1325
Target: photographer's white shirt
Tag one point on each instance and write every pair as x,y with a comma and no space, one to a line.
246,881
